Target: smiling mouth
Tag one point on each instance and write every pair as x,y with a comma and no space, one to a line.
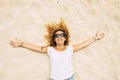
59,39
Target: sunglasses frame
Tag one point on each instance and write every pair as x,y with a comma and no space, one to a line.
59,35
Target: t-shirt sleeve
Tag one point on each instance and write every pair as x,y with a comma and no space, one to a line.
71,50
48,53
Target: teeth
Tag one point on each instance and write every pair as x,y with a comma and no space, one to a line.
59,39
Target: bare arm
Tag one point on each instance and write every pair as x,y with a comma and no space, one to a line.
86,43
18,43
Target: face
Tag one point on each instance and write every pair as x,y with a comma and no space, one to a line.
59,37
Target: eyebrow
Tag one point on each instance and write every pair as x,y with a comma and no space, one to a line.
60,33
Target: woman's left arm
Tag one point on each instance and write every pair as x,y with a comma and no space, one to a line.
98,36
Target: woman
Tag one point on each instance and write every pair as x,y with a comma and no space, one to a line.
59,50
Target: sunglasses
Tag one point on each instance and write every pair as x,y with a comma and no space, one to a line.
59,35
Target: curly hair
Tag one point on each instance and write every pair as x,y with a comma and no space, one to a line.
52,28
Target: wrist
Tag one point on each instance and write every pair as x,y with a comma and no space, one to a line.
21,45
95,39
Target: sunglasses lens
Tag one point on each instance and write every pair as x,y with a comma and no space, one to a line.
57,35
61,35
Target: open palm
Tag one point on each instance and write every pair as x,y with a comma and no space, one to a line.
99,35
16,43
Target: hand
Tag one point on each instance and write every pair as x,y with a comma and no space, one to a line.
16,43
99,35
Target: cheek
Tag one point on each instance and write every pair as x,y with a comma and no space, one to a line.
55,40
63,39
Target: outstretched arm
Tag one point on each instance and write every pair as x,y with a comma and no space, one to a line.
86,43
18,43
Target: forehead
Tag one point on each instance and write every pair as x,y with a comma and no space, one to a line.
59,32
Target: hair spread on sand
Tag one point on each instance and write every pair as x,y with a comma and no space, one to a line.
52,28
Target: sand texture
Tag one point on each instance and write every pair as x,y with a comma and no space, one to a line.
26,19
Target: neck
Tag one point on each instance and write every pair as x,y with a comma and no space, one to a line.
60,46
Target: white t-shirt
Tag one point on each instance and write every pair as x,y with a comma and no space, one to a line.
61,64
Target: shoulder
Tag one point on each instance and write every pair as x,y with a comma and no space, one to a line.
70,46
49,47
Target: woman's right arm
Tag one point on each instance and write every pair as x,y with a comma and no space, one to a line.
18,43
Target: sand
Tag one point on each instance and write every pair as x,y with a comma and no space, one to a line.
26,19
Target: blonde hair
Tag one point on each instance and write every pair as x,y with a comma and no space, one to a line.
52,28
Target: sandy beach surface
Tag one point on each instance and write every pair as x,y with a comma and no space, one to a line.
26,19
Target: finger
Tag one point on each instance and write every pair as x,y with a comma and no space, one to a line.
97,32
12,44
100,33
